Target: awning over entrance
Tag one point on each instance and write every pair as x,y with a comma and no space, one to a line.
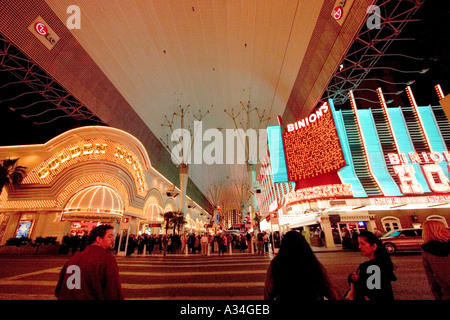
94,203
299,220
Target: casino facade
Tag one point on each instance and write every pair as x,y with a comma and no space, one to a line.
84,177
362,168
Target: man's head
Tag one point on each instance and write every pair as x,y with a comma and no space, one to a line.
102,236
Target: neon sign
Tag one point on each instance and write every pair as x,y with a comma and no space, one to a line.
424,157
73,153
434,174
315,149
313,117
408,181
96,149
385,201
440,198
319,192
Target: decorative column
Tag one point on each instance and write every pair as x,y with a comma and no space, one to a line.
214,222
183,186
325,225
251,171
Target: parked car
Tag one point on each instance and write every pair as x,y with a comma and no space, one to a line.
405,239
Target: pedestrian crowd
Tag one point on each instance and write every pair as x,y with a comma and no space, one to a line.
175,243
372,280
193,243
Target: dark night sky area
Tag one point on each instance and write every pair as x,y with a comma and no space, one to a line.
432,42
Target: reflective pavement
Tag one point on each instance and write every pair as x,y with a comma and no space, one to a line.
239,276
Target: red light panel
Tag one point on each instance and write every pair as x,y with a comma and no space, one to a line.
313,150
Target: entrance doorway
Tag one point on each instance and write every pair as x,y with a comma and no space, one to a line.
353,229
80,228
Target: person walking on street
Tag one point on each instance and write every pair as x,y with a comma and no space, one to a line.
311,281
225,243
372,280
260,243
191,242
216,243
346,240
266,242
93,273
183,241
243,243
197,244
436,258
204,243
157,244
164,244
221,243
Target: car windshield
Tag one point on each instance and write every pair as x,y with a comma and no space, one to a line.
392,234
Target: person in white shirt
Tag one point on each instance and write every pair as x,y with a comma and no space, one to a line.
204,241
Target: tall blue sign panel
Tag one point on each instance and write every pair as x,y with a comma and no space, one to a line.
276,151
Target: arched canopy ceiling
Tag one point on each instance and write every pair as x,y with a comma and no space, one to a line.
209,55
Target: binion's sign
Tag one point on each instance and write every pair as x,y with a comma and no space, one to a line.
313,117
312,146
432,166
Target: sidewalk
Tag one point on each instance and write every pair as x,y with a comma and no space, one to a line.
236,251
324,249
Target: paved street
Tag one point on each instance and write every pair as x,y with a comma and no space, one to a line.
179,277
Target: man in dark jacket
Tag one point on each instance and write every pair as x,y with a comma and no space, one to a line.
93,273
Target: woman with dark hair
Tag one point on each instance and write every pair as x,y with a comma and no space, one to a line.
296,274
372,280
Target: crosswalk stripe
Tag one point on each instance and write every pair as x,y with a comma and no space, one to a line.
145,286
251,297
155,265
38,283
29,274
22,296
178,261
11,280
200,273
178,289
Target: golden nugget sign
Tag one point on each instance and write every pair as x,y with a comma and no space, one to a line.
95,149
74,152
319,192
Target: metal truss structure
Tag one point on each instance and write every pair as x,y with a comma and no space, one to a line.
27,89
386,20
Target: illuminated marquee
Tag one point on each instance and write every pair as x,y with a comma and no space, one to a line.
439,198
312,146
434,174
319,192
95,149
385,201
